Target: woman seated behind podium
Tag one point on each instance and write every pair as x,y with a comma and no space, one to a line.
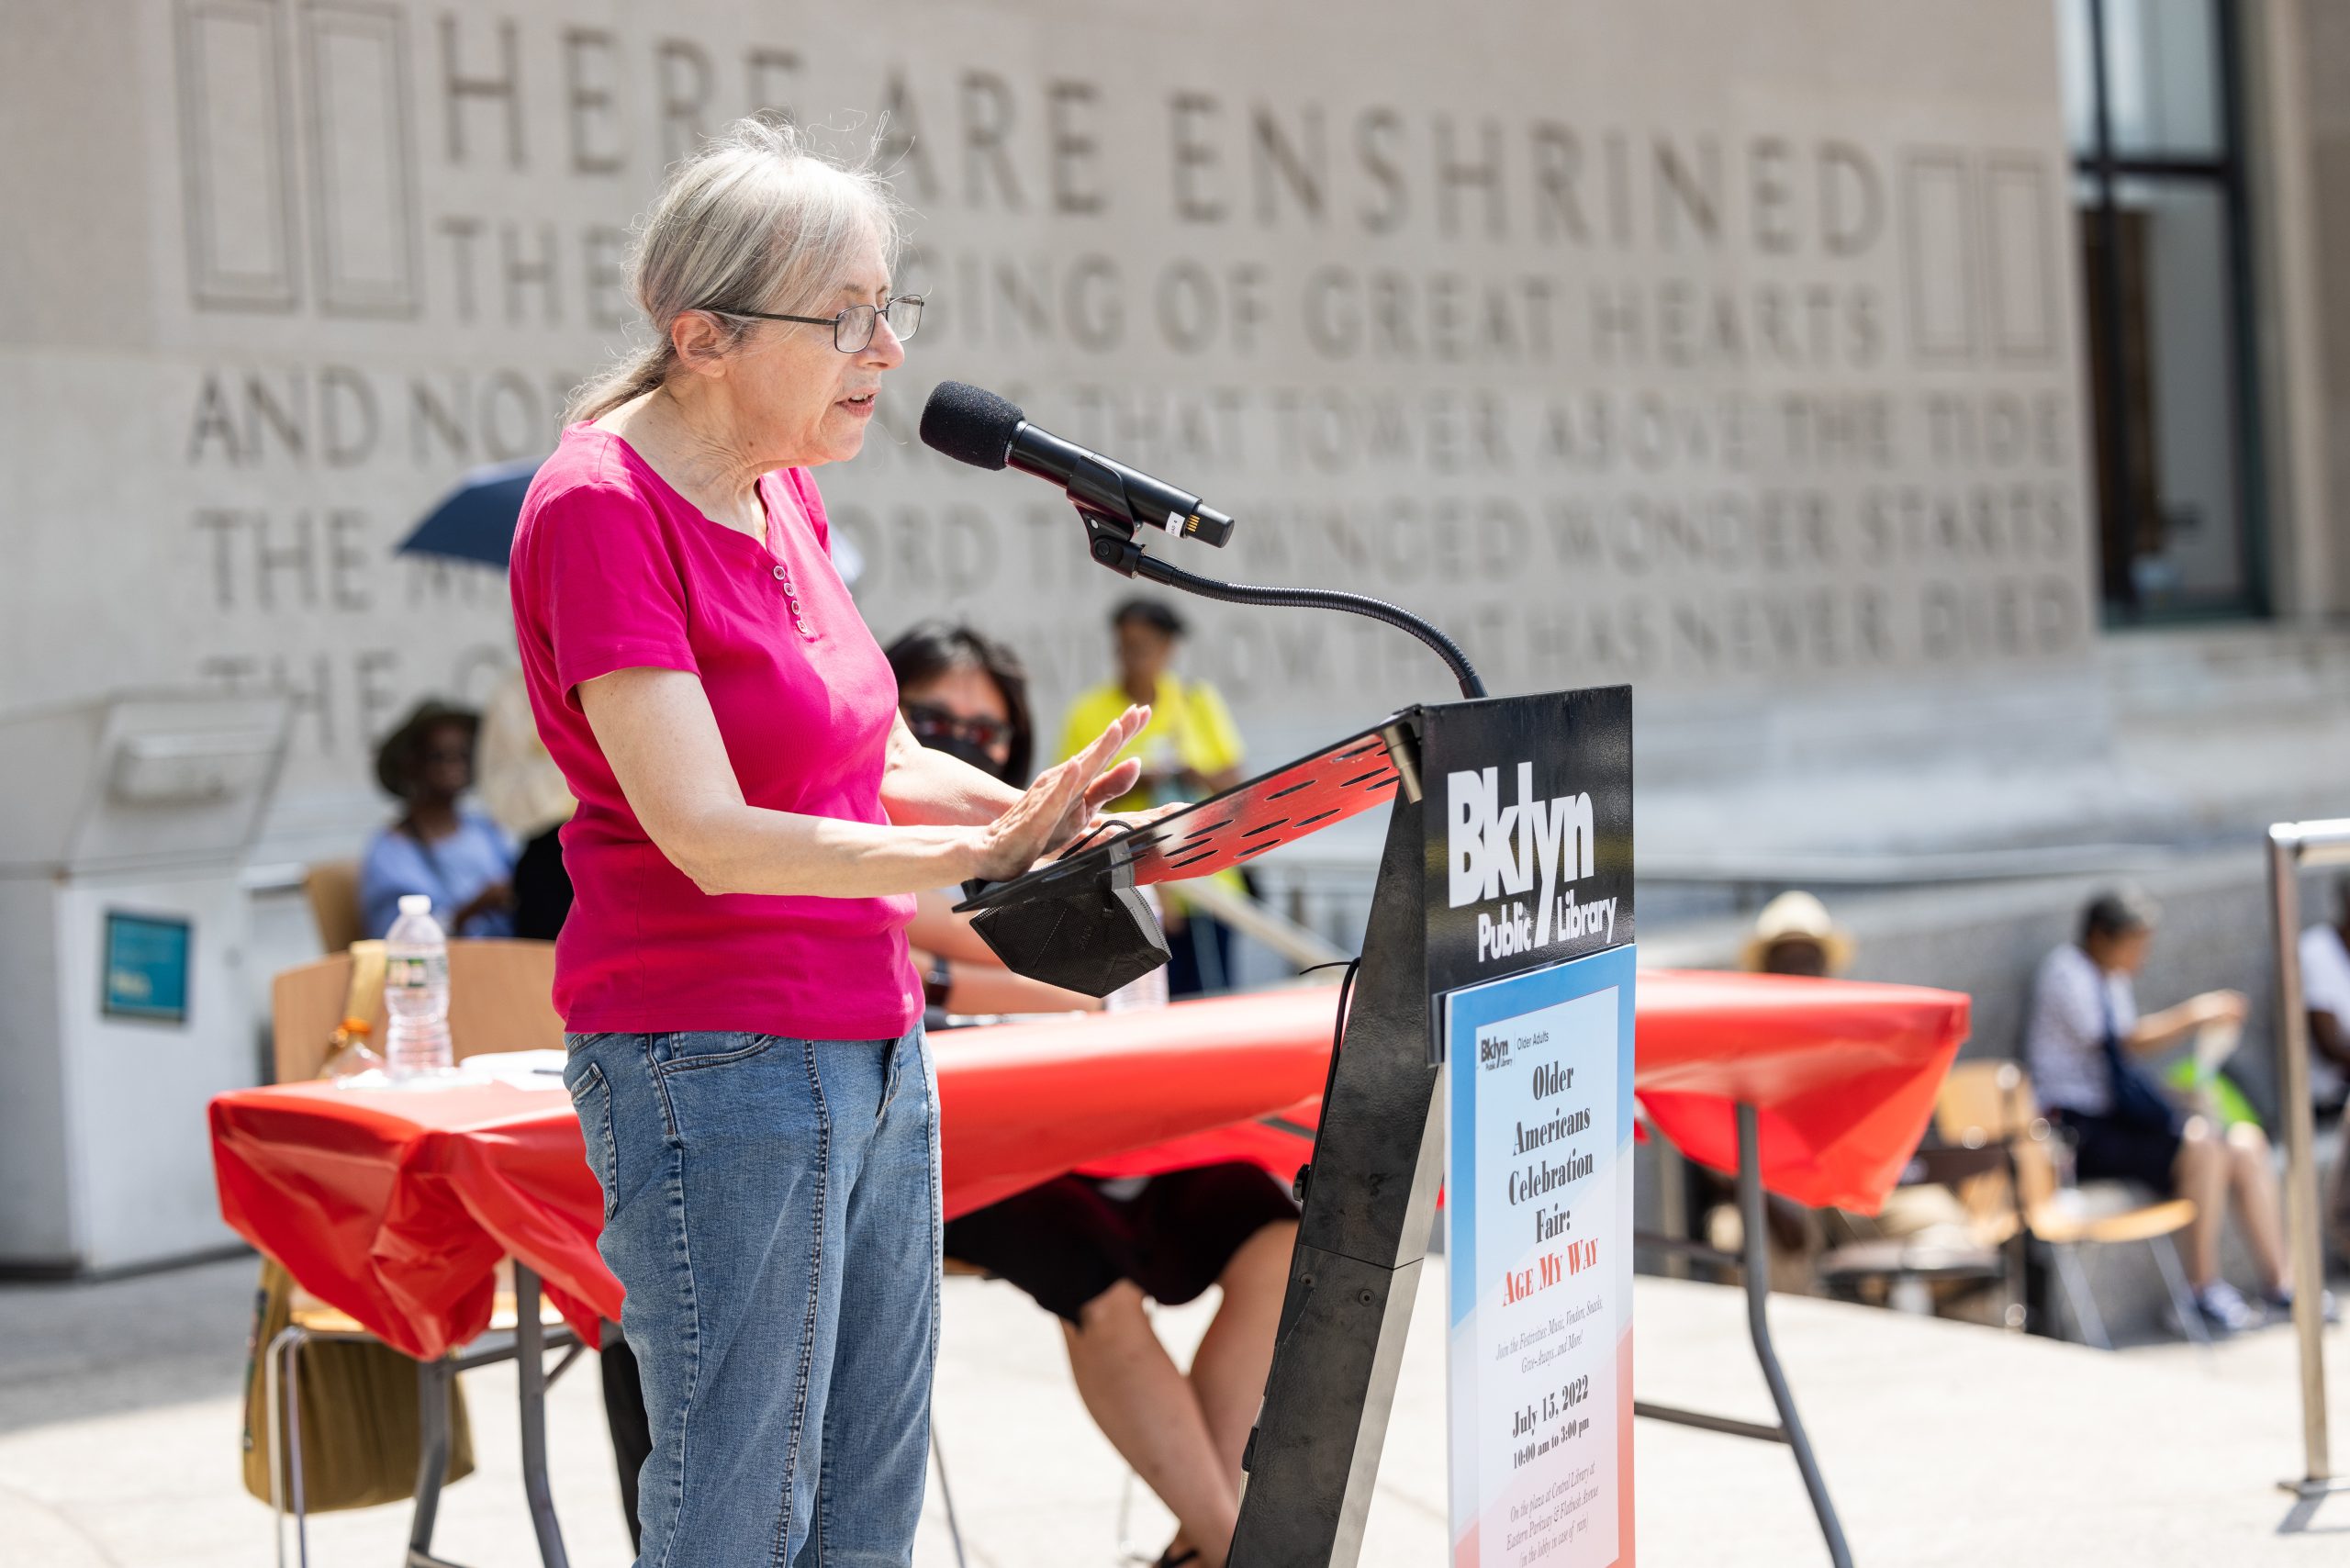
461,859
745,1047
1092,1251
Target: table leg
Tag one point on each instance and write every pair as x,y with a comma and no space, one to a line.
1757,1245
433,1380
530,1348
1672,1201
290,1383
279,1401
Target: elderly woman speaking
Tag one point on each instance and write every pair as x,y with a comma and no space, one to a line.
746,1054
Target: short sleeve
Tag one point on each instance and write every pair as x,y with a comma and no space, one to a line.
2067,1032
610,593
2075,1004
391,869
2325,972
1214,738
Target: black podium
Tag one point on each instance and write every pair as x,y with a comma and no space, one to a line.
1509,847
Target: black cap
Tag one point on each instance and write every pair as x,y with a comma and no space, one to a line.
970,424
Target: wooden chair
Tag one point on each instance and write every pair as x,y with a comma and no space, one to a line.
1923,1267
1987,1103
332,888
500,999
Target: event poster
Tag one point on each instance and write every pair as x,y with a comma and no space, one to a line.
1539,1206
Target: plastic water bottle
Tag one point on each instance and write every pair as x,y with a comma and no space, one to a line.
1150,991
416,992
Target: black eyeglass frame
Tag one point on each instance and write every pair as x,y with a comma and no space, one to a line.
839,323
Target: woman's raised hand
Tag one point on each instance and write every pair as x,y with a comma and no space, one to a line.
1062,801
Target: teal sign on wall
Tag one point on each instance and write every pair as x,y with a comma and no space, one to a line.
146,967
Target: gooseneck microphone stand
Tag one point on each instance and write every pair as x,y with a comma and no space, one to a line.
1110,540
1368,1195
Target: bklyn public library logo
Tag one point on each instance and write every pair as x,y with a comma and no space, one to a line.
1499,854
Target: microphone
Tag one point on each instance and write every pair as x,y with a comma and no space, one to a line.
973,425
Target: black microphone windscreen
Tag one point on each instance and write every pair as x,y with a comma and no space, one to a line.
970,424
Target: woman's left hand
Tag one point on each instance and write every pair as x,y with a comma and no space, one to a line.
1111,779
1060,800
1085,813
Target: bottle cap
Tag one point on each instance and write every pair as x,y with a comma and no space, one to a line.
359,1026
416,903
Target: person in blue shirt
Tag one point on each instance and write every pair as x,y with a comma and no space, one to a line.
461,859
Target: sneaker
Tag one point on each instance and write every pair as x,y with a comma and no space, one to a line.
2224,1309
2280,1307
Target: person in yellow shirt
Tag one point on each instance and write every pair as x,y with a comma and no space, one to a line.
1190,749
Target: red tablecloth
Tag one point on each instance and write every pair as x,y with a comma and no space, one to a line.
395,1207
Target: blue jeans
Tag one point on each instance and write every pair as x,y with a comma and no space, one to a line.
772,1206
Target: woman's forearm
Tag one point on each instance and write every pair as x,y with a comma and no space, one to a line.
2329,1038
992,988
2157,1030
744,849
657,731
928,788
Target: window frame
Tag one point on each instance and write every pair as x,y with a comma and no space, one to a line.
2105,169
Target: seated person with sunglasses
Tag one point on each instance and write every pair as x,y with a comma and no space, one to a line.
949,691
1093,1251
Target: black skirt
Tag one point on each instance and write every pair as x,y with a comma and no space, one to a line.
1066,1241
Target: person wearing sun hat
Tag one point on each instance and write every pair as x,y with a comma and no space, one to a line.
1794,935
459,859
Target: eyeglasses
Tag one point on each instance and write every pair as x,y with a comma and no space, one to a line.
853,328
929,723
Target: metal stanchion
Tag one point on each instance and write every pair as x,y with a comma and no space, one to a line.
2292,846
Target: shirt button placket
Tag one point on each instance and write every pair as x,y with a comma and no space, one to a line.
791,597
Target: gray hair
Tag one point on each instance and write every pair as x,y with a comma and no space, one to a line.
755,220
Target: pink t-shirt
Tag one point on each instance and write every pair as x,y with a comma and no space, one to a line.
613,569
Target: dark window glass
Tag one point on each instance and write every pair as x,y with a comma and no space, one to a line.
2151,114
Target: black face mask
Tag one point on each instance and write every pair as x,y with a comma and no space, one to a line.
1094,936
963,749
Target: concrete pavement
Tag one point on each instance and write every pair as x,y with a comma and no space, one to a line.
1945,1444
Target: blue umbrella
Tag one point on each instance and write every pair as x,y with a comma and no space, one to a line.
476,520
